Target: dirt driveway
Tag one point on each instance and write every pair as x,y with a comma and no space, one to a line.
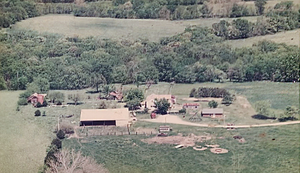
173,119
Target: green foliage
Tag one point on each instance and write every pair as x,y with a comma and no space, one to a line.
209,92
262,107
213,104
260,6
75,97
38,105
227,100
44,113
162,105
22,101
56,96
182,111
51,150
133,94
291,111
37,113
60,134
102,105
2,84
239,11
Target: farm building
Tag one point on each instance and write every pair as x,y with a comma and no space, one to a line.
190,106
116,95
35,98
213,113
104,117
149,102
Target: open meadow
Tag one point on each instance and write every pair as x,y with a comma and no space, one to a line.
109,28
23,143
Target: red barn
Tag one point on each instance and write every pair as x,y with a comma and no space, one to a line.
35,98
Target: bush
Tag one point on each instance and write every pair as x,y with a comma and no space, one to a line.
38,105
212,104
182,111
18,108
67,128
60,134
44,113
57,142
44,103
102,105
262,117
290,118
22,101
58,103
37,113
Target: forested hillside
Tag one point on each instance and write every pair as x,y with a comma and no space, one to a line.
196,55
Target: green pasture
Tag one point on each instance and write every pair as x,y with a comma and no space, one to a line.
268,149
23,143
109,28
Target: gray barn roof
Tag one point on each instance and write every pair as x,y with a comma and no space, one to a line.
212,111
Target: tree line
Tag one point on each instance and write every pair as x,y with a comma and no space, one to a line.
281,18
29,59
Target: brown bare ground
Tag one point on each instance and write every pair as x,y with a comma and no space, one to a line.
187,141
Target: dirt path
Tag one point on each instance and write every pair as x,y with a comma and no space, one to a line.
173,119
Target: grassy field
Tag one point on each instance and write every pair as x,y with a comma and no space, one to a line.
23,143
288,37
109,28
271,149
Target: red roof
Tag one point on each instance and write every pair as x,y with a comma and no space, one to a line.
37,97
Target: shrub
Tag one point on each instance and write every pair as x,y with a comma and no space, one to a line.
67,128
22,101
57,142
38,105
290,118
60,134
58,103
182,111
37,113
102,105
45,103
262,117
18,108
44,113
212,104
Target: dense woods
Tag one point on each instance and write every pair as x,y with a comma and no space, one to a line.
30,59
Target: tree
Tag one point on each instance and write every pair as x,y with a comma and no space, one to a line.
260,6
162,105
71,161
227,100
96,80
213,104
39,85
133,98
102,105
60,134
37,113
262,107
291,111
56,96
75,97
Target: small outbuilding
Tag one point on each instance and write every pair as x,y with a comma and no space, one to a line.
35,98
105,117
212,113
190,106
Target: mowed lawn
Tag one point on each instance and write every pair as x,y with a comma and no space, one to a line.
110,28
23,144
267,149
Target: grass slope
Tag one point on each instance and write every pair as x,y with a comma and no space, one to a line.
277,150
23,144
108,28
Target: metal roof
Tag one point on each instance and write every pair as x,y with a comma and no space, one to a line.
104,114
212,111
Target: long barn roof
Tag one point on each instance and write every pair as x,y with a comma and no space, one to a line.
104,114
212,111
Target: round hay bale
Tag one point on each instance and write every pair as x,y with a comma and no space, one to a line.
218,150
